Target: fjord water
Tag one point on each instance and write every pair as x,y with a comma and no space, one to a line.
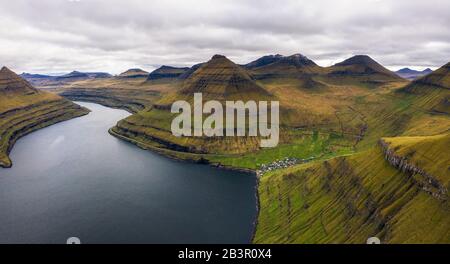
73,179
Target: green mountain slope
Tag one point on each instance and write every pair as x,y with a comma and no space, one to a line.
347,200
394,187
218,79
362,70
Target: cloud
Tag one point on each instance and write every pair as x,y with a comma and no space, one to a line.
63,35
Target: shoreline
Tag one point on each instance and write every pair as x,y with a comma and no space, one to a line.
164,152
36,127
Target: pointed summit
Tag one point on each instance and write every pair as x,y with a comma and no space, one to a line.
221,79
11,82
363,64
358,60
361,69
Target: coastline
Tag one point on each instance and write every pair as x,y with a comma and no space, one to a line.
18,134
201,160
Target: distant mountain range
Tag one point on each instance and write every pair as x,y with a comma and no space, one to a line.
409,74
360,69
41,79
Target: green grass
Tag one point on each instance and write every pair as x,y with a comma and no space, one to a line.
315,146
347,200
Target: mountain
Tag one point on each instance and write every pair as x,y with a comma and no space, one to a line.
440,78
277,66
98,75
26,75
24,109
40,79
218,79
221,79
361,65
361,69
432,91
73,75
265,60
166,73
190,71
134,73
409,74
77,76
13,83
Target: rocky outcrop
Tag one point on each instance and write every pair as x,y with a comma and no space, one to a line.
427,182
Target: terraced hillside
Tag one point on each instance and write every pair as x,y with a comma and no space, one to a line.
327,121
24,109
218,79
348,199
394,187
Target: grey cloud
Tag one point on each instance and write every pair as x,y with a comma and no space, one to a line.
106,35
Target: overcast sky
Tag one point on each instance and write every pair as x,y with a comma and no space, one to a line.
52,36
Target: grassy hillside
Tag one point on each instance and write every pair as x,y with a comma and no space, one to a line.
395,185
218,79
24,109
347,200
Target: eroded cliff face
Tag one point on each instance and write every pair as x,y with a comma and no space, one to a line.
423,179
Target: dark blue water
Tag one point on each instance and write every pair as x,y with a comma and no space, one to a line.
74,179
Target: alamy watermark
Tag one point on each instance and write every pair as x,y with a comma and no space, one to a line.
238,116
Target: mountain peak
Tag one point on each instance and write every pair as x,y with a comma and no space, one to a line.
222,79
166,72
297,60
218,56
363,65
264,60
10,81
411,74
133,73
357,60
